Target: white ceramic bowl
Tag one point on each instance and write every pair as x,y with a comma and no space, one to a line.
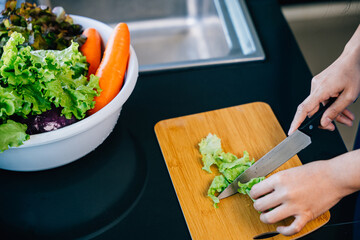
65,145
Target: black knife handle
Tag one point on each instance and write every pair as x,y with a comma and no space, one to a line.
310,124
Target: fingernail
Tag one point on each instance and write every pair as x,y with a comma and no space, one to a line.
290,130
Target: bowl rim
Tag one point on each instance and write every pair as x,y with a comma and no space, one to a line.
90,121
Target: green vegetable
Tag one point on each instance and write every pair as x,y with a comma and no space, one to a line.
208,161
217,186
12,134
41,28
225,158
229,165
32,82
210,147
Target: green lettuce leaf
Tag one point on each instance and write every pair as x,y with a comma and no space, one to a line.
12,134
210,145
229,165
231,170
208,160
244,161
10,103
232,173
210,148
32,82
217,186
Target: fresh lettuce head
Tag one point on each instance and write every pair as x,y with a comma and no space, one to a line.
32,82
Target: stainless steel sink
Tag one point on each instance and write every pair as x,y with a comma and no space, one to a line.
168,34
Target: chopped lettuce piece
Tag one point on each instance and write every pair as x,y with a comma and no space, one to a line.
208,161
209,148
210,145
244,161
232,170
217,186
12,134
224,158
232,173
229,165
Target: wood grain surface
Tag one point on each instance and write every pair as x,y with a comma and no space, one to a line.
252,127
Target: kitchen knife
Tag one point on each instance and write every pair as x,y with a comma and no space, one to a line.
285,150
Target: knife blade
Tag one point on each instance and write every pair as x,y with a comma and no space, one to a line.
280,154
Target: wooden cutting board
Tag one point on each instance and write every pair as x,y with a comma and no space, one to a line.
252,127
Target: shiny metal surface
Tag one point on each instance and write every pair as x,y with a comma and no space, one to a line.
170,34
206,32
285,150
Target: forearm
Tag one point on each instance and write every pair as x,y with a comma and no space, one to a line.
353,45
344,171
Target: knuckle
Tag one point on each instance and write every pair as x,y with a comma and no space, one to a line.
308,215
332,113
280,177
301,107
288,195
284,194
276,179
349,98
315,80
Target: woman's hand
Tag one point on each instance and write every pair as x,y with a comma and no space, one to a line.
304,192
341,80
307,191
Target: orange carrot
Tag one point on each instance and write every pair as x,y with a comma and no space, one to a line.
113,66
91,49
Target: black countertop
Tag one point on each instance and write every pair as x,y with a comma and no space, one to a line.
122,190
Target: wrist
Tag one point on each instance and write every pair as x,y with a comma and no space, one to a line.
344,173
352,48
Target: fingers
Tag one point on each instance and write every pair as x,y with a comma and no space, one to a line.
275,215
347,113
267,202
334,111
308,106
295,227
260,189
337,111
341,118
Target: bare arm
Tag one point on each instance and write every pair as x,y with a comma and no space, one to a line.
342,80
307,191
